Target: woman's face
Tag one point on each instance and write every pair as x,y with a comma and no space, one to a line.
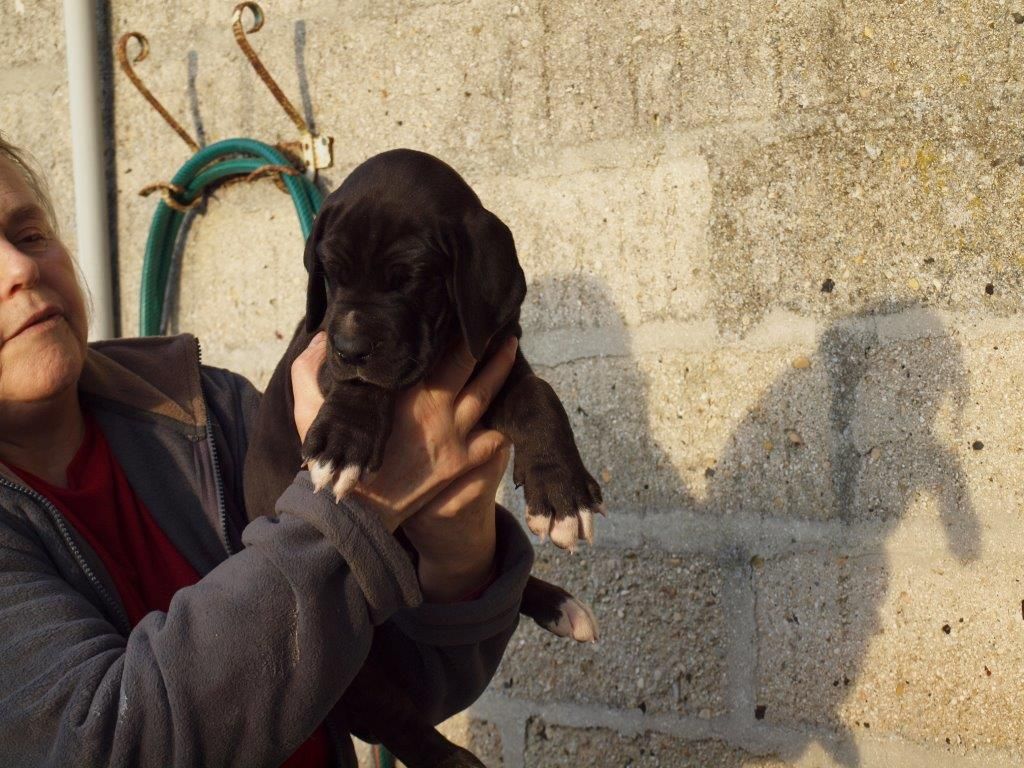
43,325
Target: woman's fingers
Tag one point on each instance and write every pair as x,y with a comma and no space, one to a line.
476,397
305,389
310,359
483,445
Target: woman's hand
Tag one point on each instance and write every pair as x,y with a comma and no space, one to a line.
432,440
454,533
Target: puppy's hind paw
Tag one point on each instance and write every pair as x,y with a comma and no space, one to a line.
575,620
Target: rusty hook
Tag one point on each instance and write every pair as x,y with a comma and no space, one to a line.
250,54
126,65
317,151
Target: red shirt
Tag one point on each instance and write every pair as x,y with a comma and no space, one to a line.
145,566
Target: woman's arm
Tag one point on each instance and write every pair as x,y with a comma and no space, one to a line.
455,534
439,476
240,669
448,649
448,652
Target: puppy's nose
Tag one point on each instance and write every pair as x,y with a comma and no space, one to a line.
352,350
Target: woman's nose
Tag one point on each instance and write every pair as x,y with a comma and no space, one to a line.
17,269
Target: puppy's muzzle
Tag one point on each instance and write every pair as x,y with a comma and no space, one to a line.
353,350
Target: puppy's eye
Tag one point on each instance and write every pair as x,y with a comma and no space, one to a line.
397,278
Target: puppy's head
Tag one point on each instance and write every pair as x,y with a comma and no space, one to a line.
402,258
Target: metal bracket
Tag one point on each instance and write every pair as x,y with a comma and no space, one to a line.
317,151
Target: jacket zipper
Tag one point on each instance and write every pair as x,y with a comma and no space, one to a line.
221,509
61,524
59,521
113,604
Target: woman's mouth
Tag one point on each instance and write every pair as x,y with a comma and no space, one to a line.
43,325
43,322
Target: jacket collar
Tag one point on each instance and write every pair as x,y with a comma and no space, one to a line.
157,375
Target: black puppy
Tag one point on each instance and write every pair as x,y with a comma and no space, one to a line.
403,259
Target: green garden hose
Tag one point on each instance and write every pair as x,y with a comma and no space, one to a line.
384,758
210,165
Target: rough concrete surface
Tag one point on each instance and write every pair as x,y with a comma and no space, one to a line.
560,747
867,643
775,275
662,634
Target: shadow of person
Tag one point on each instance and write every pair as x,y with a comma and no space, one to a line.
845,446
888,390
799,484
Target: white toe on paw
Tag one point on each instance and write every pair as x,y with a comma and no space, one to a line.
586,524
565,531
538,524
575,620
347,478
320,472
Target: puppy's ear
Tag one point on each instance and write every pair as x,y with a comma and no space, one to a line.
316,288
489,285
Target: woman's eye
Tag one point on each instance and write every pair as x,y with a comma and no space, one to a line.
33,238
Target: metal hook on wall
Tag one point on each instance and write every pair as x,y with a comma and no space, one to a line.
126,65
317,151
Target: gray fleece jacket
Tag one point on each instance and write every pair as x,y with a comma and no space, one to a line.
247,662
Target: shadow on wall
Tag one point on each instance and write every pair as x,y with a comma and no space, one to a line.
865,441
845,442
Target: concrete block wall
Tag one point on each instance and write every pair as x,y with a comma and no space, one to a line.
775,274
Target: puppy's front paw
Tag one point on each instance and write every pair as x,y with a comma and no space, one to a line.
561,501
339,455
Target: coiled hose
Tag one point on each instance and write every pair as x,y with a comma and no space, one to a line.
209,166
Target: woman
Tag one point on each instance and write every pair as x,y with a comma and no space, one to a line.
144,619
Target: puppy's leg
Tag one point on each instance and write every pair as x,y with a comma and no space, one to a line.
378,707
558,612
561,496
346,440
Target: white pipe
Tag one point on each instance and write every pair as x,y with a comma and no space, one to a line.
91,220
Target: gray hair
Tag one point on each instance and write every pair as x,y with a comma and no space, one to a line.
26,166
